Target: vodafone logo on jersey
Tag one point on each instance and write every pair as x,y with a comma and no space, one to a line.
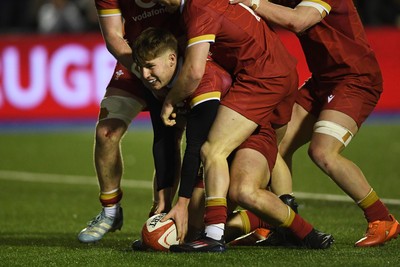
145,3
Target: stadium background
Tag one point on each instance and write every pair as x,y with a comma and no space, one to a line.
60,75
50,87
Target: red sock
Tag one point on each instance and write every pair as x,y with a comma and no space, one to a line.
300,227
377,212
215,215
256,222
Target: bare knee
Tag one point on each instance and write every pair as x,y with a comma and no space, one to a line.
108,133
211,152
322,157
242,195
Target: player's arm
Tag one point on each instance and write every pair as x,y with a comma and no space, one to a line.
112,28
188,80
166,156
199,122
298,19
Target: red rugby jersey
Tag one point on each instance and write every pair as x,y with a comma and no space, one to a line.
337,46
241,40
139,15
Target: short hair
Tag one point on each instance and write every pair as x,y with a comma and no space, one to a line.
151,43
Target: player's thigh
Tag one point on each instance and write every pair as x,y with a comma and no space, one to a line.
249,172
298,132
228,131
339,118
332,133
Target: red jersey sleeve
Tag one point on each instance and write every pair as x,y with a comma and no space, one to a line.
107,8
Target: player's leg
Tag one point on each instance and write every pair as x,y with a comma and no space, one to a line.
244,228
196,213
247,187
332,133
298,133
229,130
222,140
118,108
281,177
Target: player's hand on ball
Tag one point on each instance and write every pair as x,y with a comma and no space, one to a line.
179,214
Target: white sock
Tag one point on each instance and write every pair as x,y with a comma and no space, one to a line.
215,231
112,211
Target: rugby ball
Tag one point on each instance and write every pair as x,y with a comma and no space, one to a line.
157,235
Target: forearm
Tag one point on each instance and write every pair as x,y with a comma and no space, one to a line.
164,148
296,19
183,202
185,85
120,49
199,123
112,29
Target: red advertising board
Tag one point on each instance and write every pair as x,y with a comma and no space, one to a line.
52,77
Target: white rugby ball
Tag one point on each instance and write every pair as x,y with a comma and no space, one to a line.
159,236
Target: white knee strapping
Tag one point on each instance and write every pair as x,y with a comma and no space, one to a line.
335,130
120,107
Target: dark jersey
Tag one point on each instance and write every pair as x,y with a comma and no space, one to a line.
139,15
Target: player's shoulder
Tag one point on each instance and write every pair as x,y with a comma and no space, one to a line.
107,7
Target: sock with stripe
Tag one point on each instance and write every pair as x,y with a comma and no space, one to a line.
373,207
110,201
297,224
215,217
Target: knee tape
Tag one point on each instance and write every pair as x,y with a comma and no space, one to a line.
335,130
120,107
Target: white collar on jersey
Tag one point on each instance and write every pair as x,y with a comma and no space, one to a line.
178,70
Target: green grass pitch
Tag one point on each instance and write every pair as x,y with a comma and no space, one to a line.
48,192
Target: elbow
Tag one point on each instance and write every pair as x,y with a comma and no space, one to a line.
297,27
196,74
301,22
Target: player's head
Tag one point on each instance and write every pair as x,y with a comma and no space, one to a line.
155,51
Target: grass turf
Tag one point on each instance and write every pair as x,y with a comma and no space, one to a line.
40,220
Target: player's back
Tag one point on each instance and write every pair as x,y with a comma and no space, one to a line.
338,45
242,39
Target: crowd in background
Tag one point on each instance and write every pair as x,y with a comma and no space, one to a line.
55,16
48,16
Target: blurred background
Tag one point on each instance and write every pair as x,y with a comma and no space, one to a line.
54,65
54,16
47,16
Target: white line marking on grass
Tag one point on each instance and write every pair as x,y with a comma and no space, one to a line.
66,179
91,180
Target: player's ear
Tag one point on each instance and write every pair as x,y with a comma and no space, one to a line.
172,59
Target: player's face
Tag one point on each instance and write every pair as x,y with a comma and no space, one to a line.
158,72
